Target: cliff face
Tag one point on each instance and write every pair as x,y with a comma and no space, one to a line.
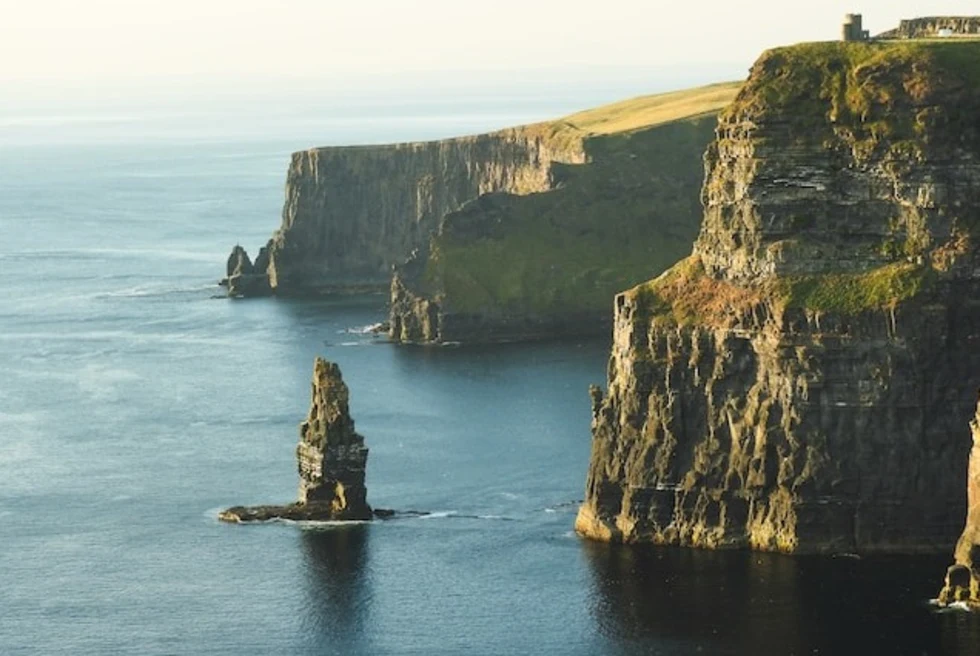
920,28
803,381
507,266
353,212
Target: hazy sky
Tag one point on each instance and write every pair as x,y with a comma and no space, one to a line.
92,40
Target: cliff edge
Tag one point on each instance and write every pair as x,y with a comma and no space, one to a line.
803,381
352,213
510,266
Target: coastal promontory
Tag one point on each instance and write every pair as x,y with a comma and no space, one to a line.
804,380
509,266
516,234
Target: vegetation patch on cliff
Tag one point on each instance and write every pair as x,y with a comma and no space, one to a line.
628,214
685,295
883,287
866,93
642,112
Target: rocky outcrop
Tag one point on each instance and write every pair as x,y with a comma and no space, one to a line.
963,577
351,213
243,278
933,26
803,381
331,456
510,267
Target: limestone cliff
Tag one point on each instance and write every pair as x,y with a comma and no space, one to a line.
506,266
932,26
803,381
353,212
963,578
331,456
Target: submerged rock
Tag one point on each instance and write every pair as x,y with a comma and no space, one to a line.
963,577
331,456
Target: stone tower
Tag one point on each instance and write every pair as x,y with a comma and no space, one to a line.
853,28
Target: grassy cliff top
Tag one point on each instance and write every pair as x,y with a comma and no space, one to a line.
639,113
649,111
569,132
841,81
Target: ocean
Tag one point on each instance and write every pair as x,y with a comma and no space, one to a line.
136,402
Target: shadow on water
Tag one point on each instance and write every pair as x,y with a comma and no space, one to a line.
679,601
338,591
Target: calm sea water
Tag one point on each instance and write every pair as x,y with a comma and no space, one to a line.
134,404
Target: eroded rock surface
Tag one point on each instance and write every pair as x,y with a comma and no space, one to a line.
803,382
351,213
963,577
506,267
243,278
933,26
331,456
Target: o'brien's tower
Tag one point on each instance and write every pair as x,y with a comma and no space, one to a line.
853,30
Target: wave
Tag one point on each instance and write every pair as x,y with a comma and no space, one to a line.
369,329
441,514
154,290
955,607
103,253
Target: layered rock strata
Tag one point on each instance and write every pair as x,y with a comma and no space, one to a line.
244,278
509,267
351,213
803,381
962,583
331,459
933,26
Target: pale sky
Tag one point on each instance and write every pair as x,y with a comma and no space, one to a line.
99,40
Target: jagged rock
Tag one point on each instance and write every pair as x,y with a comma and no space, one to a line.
238,262
331,455
244,278
963,577
933,26
804,380
331,460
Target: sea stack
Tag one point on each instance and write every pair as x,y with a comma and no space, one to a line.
805,380
243,277
963,577
331,459
331,454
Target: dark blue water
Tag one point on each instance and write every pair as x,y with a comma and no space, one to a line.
134,404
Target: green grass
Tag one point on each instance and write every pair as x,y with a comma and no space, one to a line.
643,112
883,287
873,88
648,111
685,295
